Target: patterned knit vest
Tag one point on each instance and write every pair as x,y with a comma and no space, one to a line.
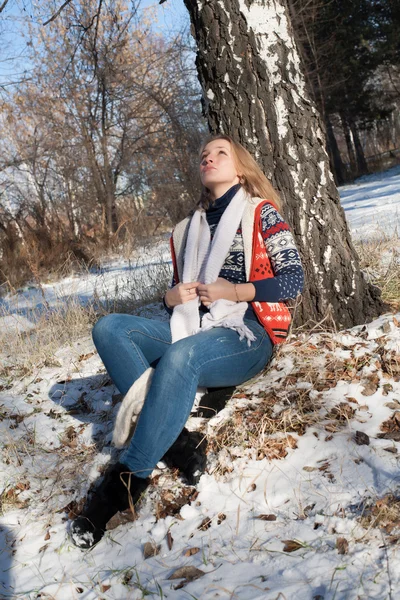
273,316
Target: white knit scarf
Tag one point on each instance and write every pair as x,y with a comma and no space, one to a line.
202,262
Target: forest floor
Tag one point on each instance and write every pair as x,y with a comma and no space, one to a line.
301,498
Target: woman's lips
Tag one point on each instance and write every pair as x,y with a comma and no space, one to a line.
207,169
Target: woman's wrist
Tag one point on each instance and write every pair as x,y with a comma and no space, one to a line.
166,301
244,292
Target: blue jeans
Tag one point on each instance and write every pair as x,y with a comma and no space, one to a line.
128,345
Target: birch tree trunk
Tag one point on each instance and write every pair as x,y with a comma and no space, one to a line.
254,90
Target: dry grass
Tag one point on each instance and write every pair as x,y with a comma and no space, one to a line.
269,423
66,318
26,352
383,513
380,261
266,429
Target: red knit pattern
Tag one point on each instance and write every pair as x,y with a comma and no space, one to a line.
273,316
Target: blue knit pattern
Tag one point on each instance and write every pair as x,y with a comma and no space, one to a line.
282,252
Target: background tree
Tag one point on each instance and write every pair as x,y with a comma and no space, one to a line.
254,89
101,140
343,46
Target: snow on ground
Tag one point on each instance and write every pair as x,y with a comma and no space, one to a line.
115,278
372,204
311,511
275,525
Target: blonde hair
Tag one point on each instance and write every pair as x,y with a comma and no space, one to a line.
252,178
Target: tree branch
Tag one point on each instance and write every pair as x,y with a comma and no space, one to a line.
2,7
54,17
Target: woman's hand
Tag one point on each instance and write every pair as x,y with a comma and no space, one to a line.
181,293
222,288
241,292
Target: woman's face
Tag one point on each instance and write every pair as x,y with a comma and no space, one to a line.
218,170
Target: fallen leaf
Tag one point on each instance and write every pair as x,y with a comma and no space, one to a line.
170,540
23,485
73,508
120,518
47,536
171,503
331,427
393,539
370,386
221,517
205,524
150,549
341,412
104,588
63,381
387,387
324,467
189,573
361,438
191,551
309,469
342,545
352,400
85,356
393,405
291,545
127,577
390,435
266,517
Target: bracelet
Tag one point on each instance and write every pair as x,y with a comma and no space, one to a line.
237,296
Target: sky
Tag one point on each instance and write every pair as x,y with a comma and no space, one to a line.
171,16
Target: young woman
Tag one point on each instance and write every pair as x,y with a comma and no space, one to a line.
235,264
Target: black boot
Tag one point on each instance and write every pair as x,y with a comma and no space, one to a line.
118,491
213,401
188,454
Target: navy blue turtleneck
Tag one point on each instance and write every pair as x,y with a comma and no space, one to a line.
215,210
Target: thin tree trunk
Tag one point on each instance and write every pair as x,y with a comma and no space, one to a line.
111,212
362,166
350,146
334,154
254,90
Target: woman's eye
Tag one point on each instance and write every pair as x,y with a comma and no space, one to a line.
222,151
